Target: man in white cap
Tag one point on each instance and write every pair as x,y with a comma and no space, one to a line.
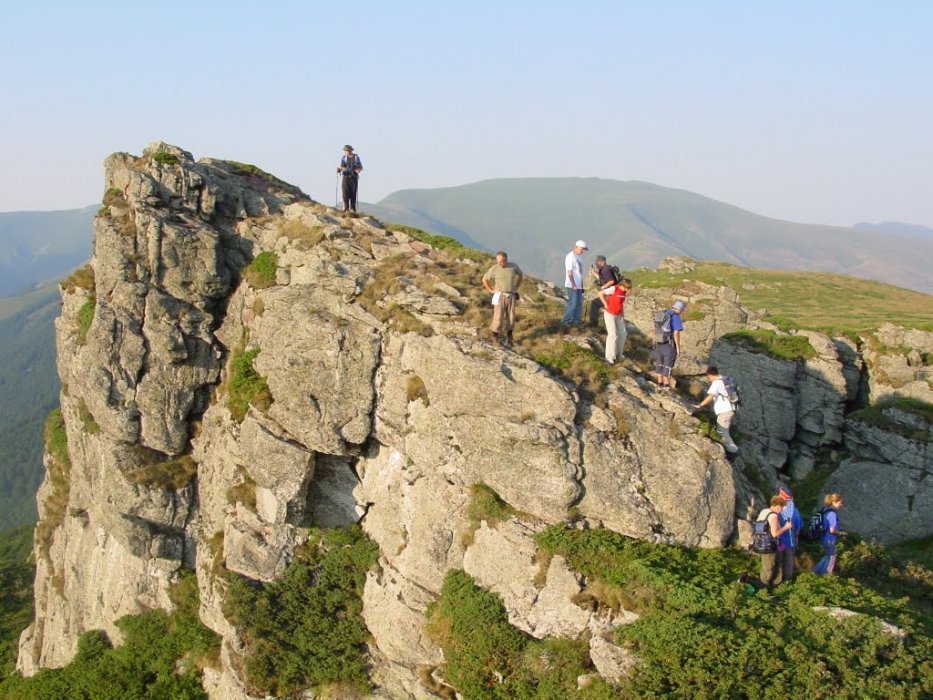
573,284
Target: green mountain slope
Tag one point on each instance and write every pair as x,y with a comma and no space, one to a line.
38,246
635,224
29,387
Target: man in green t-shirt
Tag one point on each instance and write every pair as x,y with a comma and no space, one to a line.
502,281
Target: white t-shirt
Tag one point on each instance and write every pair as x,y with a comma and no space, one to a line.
721,404
572,263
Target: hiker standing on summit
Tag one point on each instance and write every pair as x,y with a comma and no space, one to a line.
667,329
573,285
350,168
502,281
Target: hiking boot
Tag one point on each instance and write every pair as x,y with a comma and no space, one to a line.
732,449
494,336
509,340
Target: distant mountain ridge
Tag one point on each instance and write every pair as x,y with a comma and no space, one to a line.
636,224
898,228
39,246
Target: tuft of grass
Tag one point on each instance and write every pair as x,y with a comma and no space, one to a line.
88,423
486,504
767,342
385,282
875,415
251,170
245,386
260,273
86,317
306,629
113,197
577,364
82,278
164,158
415,389
172,474
243,492
304,237
59,476
445,243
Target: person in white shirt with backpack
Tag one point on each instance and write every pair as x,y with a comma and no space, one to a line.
723,394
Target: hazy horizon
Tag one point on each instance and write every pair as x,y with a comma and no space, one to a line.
800,112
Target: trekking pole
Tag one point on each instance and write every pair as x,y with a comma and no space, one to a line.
337,193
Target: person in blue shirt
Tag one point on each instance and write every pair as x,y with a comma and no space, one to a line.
666,353
831,533
787,544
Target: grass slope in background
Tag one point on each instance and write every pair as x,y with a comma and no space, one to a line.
635,224
29,386
812,300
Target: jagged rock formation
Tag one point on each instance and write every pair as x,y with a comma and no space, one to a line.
374,400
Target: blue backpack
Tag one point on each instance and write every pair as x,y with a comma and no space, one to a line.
762,541
816,526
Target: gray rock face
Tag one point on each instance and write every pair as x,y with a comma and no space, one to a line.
790,409
363,422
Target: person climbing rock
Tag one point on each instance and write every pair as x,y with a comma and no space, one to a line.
722,407
613,300
667,334
573,285
502,280
350,168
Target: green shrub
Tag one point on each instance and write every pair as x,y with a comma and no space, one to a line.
59,476
415,389
56,439
245,385
250,169
164,158
577,364
766,342
260,273
82,278
88,423
702,636
171,474
86,317
161,657
489,659
306,629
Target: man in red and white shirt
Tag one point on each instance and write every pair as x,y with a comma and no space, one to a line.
613,299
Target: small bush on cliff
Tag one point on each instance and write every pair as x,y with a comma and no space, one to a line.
780,347
489,659
260,273
82,278
59,477
161,657
446,243
164,158
306,629
170,474
86,317
245,385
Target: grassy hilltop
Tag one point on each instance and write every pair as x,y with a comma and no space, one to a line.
809,300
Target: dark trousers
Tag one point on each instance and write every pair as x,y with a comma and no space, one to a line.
350,185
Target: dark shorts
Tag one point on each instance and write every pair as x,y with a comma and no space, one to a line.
664,357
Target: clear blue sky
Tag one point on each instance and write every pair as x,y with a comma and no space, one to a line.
816,111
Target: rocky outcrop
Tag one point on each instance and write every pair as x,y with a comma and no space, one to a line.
901,363
791,409
379,404
711,312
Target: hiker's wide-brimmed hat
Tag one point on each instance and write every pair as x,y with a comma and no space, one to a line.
348,147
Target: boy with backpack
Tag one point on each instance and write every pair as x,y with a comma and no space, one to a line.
667,329
787,545
613,300
723,393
